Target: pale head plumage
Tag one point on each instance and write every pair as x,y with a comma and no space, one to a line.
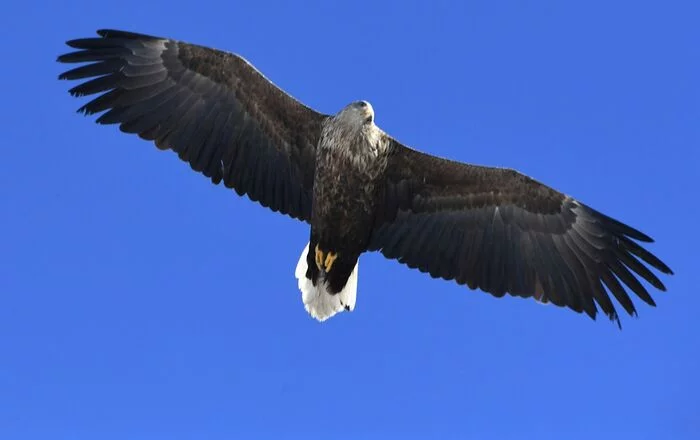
357,114
352,131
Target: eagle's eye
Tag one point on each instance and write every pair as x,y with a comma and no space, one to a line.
362,104
368,120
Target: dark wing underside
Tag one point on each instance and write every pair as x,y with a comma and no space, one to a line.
213,108
500,231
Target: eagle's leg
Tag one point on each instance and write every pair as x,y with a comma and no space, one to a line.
324,260
319,258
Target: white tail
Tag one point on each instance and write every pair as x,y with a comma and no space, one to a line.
317,300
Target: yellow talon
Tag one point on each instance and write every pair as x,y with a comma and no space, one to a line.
324,261
330,259
319,258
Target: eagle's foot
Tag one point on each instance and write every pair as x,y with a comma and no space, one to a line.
325,260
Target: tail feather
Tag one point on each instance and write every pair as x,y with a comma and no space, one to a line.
318,301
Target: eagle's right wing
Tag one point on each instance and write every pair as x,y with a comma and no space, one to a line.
213,108
502,232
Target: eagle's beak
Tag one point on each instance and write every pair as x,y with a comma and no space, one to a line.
368,114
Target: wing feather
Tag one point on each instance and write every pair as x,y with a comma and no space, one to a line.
212,108
502,232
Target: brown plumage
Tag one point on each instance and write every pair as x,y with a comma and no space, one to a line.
502,232
492,229
214,109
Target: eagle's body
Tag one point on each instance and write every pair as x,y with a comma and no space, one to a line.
351,160
359,189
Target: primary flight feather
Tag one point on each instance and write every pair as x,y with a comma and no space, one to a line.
360,190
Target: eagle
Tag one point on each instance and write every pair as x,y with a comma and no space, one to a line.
359,189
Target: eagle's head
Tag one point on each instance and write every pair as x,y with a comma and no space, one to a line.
352,130
357,114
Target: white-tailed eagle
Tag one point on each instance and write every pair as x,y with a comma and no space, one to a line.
492,229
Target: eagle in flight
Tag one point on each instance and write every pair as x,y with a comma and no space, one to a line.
359,189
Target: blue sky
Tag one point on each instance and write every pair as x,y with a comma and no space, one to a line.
141,302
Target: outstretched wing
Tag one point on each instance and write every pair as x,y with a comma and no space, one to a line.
502,232
213,108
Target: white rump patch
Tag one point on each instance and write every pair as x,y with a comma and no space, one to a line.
317,300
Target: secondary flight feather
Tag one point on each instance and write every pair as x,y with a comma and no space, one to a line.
359,189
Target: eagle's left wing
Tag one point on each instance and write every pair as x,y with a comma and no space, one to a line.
213,108
502,232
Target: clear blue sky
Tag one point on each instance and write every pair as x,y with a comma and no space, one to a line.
141,302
